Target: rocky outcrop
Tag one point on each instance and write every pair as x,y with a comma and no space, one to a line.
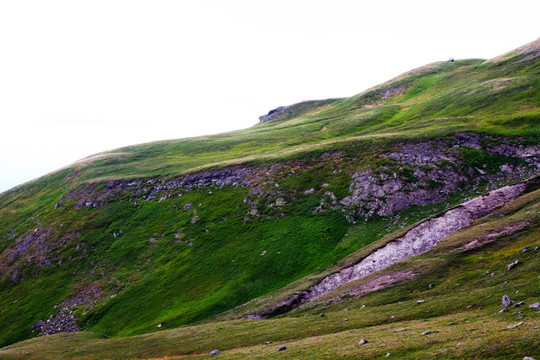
274,113
417,240
282,112
65,320
412,173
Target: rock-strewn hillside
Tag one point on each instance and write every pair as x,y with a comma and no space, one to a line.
159,235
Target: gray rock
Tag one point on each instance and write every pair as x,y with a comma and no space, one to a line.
282,348
362,342
503,310
536,305
506,301
427,332
269,342
280,202
515,325
512,265
420,302
524,250
528,358
38,325
214,352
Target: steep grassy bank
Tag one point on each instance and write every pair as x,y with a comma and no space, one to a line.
462,288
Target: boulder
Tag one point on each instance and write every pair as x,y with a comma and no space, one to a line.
214,352
506,301
282,348
536,305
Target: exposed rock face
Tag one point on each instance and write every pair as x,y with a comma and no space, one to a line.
420,239
413,173
33,248
416,241
65,320
274,113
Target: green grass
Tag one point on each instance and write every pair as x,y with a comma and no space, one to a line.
460,308
195,270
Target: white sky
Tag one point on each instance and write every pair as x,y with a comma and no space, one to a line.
81,77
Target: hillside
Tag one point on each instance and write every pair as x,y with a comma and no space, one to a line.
254,223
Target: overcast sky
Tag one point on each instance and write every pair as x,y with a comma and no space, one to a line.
82,77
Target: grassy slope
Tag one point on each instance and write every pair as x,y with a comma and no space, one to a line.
437,100
460,309
444,98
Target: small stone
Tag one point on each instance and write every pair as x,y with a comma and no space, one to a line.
214,352
524,250
469,306
282,348
363,306
321,315
269,342
506,301
420,302
517,292
528,358
503,310
346,319
430,286
519,303
536,248
158,325
362,342
515,325
387,354
400,330
512,265
536,305
427,332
